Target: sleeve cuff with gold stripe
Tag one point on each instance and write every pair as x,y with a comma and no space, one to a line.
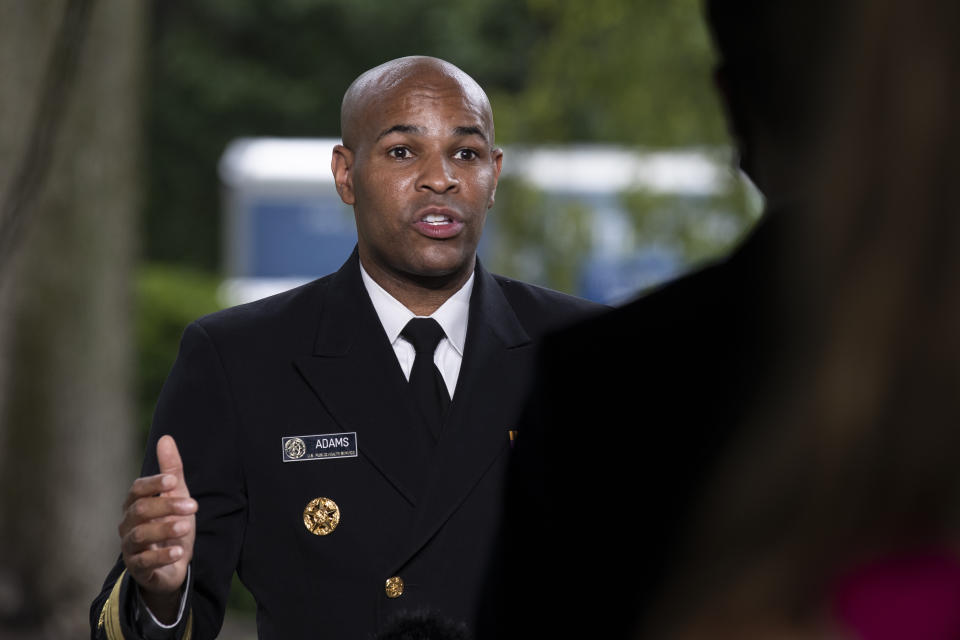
115,625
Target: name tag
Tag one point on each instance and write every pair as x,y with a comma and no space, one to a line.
320,447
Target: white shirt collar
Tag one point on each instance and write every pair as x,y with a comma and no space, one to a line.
452,314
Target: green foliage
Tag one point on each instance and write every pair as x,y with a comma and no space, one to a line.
697,228
168,299
619,71
239,598
536,238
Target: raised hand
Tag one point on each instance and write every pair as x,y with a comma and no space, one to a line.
157,532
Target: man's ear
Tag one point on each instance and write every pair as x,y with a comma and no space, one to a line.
497,166
342,166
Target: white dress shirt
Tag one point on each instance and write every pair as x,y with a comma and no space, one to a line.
452,316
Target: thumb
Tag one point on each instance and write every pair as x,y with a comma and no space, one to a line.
168,458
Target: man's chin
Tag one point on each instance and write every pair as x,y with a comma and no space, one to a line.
440,273
445,261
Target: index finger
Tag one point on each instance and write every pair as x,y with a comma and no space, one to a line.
149,486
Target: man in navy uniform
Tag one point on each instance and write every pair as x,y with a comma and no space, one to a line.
343,445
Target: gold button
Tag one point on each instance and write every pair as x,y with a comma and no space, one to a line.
321,516
394,587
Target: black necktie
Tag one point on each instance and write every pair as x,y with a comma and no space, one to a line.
426,383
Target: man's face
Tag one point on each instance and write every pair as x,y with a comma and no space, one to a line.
420,177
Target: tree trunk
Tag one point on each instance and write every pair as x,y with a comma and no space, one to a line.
66,346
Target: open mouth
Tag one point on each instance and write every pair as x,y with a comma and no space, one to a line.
438,224
436,219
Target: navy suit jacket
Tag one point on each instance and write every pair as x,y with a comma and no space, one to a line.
313,361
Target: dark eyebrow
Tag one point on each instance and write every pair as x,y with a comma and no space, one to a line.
402,128
409,128
469,131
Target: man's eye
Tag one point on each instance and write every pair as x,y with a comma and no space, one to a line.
400,153
466,154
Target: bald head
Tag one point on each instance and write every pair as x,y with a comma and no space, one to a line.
393,80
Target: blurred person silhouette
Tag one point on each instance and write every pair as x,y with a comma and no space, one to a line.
778,456
838,513
634,411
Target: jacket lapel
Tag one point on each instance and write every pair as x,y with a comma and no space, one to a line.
355,373
497,356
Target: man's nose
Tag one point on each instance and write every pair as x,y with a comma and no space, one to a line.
438,174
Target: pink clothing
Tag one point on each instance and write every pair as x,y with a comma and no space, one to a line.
910,596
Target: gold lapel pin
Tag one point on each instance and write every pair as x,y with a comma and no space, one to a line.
321,516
